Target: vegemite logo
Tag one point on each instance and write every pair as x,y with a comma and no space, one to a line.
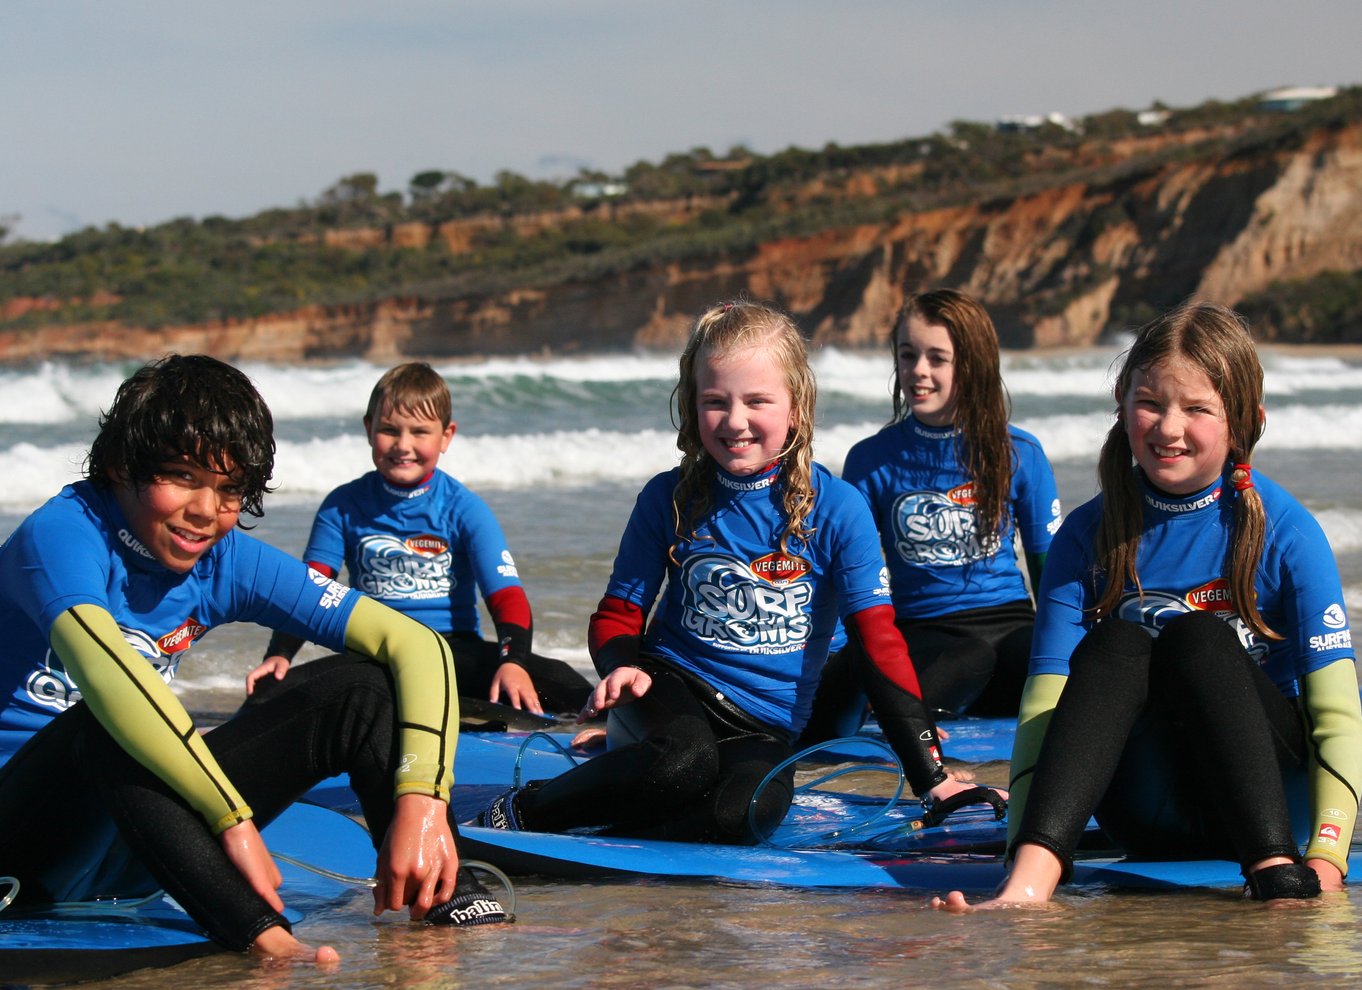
1213,596
932,529
780,568
183,637
426,544
391,567
1155,609
728,605
49,686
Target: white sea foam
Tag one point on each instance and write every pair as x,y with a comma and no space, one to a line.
491,462
1342,527
30,473
56,393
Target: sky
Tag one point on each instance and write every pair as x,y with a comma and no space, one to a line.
139,111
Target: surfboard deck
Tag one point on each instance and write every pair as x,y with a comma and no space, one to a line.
98,940
581,857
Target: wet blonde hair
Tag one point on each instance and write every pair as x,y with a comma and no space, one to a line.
981,402
720,331
1216,340
414,388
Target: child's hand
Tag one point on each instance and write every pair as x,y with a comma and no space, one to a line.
620,687
418,863
955,783
275,667
512,684
246,850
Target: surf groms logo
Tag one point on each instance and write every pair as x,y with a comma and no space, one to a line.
935,529
50,686
758,607
1156,609
393,567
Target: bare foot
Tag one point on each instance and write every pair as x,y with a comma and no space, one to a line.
277,944
955,903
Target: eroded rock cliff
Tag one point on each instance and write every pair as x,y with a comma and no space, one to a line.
1057,266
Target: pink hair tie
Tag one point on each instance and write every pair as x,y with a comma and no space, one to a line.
1245,480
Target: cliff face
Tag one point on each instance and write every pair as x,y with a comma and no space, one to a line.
1055,267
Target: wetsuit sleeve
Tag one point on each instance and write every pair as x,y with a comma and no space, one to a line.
1035,507
128,697
287,645
427,697
1038,701
510,611
614,634
1335,724
326,543
892,686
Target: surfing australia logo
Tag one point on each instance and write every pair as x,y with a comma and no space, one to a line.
415,567
935,529
758,606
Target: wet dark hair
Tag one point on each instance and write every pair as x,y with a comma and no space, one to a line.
186,405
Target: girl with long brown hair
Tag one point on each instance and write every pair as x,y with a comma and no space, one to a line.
951,485
1193,681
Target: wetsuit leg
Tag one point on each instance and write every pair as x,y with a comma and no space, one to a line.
642,784
56,836
1106,691
476,661
953,667
1237,730
337,722
722,814
1002,696
839,705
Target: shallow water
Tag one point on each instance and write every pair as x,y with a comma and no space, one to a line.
692,935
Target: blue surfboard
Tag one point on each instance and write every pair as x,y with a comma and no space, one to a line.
100,939
586,857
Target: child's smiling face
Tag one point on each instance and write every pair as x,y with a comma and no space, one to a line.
406,446
926,370
185,510
1175,421
744,409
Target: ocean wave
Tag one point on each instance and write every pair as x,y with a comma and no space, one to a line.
57,393
31,473
60,393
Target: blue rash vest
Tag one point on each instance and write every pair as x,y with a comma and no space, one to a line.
752,621
424,551
78,549
922,499
1182,564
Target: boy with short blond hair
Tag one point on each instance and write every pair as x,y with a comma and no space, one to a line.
418,540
